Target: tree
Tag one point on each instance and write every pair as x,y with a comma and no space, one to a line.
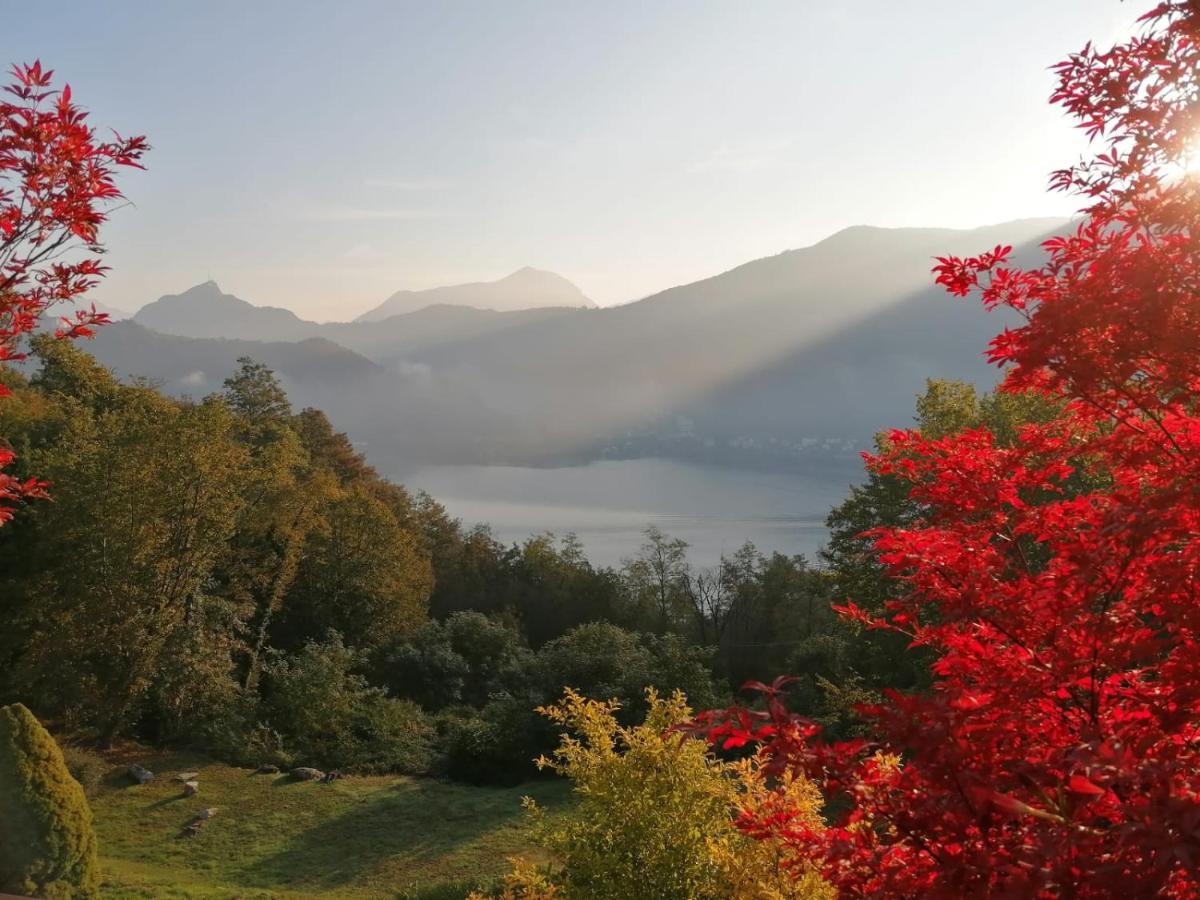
467,659
120,565
600,660
710,603
56,182
1054,579
260,402
47,845
362,574
658,579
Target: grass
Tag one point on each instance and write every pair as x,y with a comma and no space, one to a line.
397,837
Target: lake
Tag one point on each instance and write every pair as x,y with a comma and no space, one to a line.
609,504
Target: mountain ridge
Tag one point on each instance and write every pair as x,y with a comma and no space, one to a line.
526,288
822,343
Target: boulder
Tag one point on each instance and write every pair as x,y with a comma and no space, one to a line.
140,775
206,813
268,769
191,788
185,777
305,773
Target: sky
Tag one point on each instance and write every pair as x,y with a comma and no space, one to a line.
320,156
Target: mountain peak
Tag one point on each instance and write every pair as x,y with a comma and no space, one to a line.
204,310
204,289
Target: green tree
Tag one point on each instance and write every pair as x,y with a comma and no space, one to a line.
658,581
147,496
47,845
255,394
600,660
363,574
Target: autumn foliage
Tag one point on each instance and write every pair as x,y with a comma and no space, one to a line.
1053,579
56,182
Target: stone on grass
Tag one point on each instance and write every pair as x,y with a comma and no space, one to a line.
268,769
306,773
185,777
191,788
140,775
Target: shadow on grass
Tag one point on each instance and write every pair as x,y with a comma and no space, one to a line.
166,801
417,823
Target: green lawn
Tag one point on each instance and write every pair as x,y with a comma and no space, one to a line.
273,837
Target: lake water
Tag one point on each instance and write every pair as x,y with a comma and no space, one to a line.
609,504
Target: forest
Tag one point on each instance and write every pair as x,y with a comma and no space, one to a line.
268,597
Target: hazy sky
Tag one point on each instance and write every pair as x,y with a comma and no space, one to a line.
320,156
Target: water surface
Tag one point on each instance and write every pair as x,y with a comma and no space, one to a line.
609,504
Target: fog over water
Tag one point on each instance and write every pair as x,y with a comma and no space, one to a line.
609,504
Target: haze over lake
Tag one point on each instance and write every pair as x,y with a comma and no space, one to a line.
609,504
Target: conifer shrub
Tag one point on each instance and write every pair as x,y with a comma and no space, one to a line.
47,845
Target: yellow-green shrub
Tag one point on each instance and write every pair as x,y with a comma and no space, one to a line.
655,811
47,845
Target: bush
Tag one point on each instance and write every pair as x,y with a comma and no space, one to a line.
256,746
655,812
87,768
47,845
327,715
680,666
469,658
598,660
388,735
496,745
424,668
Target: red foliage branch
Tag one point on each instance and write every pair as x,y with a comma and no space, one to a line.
56,183
1055,581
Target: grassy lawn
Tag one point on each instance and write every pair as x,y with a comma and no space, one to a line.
273,837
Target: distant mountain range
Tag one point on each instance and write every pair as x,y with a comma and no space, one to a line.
791,360
524,289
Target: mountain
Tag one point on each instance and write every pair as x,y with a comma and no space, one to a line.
315,371
524,289
795,359
811,348
206,312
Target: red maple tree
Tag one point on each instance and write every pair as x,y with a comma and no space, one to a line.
56,183
1055,581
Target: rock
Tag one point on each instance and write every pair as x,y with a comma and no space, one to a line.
140,775
206,813
305,773
185,777
331,776
193,829
268,769
191,788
